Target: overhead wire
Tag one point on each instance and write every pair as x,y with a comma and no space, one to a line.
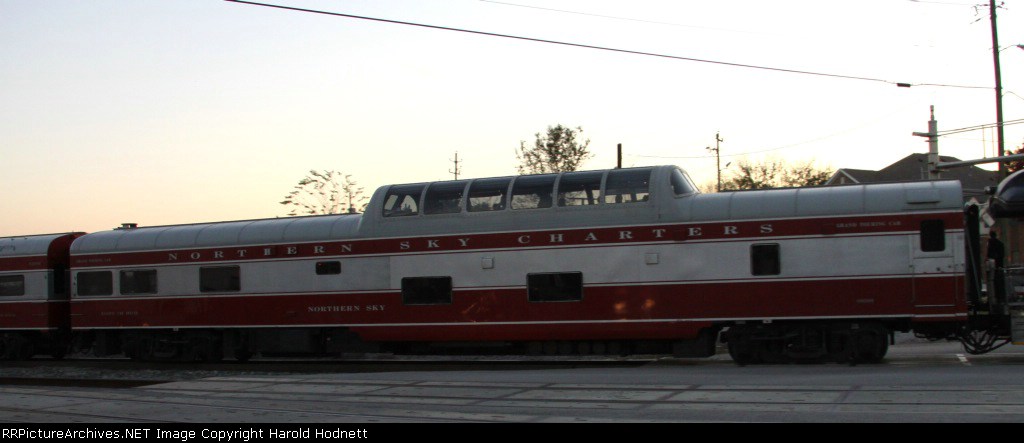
615,17
602,48
979,127
624,51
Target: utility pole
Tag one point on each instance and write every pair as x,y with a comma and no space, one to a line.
457,170
935,165
999,86
933,145
619,163
718,160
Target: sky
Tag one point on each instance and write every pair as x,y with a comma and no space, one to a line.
162,112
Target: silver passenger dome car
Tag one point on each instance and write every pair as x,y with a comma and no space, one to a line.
568,199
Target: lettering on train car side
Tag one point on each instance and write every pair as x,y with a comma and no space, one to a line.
869,224
229,254
450,243
346,308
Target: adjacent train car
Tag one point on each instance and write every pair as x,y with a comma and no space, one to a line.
579,262
34,295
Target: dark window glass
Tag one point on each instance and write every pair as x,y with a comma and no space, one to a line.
933,236
627,186
444,198
680,185
12,285
220,279
579,188
533,191
560,286
764,259
96,283
402,200
138,282
328,267
488,195
427,290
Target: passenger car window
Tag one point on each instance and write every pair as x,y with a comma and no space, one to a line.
95,283
764,259
488,194
402,200
138,282
328,267
444,198
627,186
220,279
533,191
680,184
580,188
12,285
427,290
555,286
933,235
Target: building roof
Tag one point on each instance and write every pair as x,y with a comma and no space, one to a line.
915,167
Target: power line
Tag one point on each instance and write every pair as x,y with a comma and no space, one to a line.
613,17
979,127
941,85
586,46
681,25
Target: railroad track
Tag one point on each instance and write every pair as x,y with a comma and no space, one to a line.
92,372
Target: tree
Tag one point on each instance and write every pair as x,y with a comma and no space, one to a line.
775,174
320,192
805,174
1015,165
558,150
754,176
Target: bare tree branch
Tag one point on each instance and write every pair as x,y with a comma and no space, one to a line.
320,192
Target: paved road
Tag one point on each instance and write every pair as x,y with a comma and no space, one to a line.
918,382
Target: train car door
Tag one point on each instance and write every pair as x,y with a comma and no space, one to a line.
936,273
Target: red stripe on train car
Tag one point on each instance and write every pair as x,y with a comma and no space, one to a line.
657,309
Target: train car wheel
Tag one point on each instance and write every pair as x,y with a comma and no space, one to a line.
743,350
870,344
773,352
742,354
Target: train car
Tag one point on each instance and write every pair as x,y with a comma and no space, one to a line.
580,262
34,295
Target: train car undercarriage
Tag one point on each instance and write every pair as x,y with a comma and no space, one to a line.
808,342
